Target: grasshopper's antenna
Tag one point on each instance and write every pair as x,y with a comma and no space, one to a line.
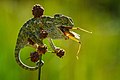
82,30
78,51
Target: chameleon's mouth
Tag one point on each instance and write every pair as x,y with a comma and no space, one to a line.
70,34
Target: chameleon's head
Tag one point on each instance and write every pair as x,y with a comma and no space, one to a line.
64,24
61,20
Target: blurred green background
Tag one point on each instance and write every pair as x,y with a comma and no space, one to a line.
99,58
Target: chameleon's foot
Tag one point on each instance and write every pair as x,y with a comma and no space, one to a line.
34,56
42,49
59,52
43,34
41,64
30,41
34,45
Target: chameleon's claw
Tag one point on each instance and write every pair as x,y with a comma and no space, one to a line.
42,49
30,41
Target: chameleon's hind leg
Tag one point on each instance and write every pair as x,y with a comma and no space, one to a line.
39,46
59,52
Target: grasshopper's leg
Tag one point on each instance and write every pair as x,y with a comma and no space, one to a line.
59,52
77,28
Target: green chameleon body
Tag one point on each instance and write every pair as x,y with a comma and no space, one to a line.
56,28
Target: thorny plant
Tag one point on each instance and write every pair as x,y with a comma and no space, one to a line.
40,27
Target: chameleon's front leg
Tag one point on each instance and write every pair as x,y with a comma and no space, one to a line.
59,52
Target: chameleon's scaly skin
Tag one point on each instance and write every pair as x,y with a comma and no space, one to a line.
31,29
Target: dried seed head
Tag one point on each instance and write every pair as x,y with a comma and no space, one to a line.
59,52
43,34
37,11
34,56
42,49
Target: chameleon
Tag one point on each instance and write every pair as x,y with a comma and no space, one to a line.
57,27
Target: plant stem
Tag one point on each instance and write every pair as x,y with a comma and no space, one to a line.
39,69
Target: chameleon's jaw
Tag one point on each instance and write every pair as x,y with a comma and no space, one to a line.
70,34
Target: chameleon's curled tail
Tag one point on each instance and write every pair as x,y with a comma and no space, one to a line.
18,60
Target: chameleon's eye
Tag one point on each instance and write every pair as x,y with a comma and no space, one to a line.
57,15
64,20
71,20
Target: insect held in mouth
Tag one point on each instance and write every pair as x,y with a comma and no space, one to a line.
38,28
